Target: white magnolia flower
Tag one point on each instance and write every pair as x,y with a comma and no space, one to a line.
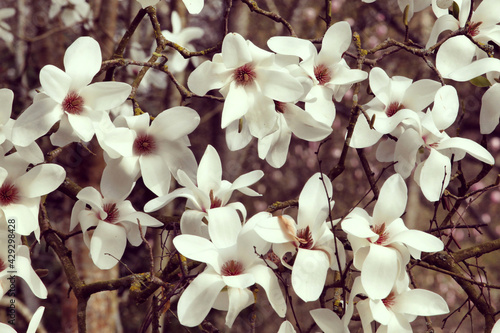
33,325
72,11
482,27
232,265
31,153
114,220
309,239
397,310
291,119
496,328
67,97
211,192
137,148
176,62
21,190
382,244
432,174
397,100
329,73
464,68
5,33
19,267
250,81
328,321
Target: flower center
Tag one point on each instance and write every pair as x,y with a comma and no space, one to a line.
280,107
112,211
73,103
8,194
3,266
473,29
214,201
231,268
304,236
393,108
244,75
323,74
144,144
389,301
382,233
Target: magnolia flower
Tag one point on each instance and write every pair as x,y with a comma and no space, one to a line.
20,190
232,265
250,81
432,174
396,311
210,193
309,239
33,325
114,220
382,244
31,153
71,11
463,69
291,119
137,148
329,73
20,266
413,5
482,27
328,321
396,100
67,97
183,37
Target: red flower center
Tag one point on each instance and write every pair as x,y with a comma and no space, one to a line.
8,194
144,144
112,211
383,235
280,107
323,74
393,108
3,266
389,301
214,201
244,75
305,238
73,103
473,28
231,268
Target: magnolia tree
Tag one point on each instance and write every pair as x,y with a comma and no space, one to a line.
360,195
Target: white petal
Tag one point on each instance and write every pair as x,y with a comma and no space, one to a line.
238,300
445,109
174,123
210,170
314,205
285,327
82,126
197,300
321,107
443,23
107,245
380,84
490,112
364,136
265,277
235,51
197,248
474,69
335,42
275,229
82,61
192,223
119,177
420,94
419,240
446,58
392,199
434,175
292,46
469,146
309,274
35,320
420,302
379,271
28,274
207,76
41,180
406,152
238,137
279,85
303,125
327,320
194,6
7,97
55,82
153,174
235,106
105,95
224,226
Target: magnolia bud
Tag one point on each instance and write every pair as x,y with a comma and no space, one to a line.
443,4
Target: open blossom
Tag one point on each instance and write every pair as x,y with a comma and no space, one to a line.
137,148
115,222
397,100
382,244
330,75
434,160
309,239
250,81
465,68
210,192
397,310
232,267
483,25
21,190
69,98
